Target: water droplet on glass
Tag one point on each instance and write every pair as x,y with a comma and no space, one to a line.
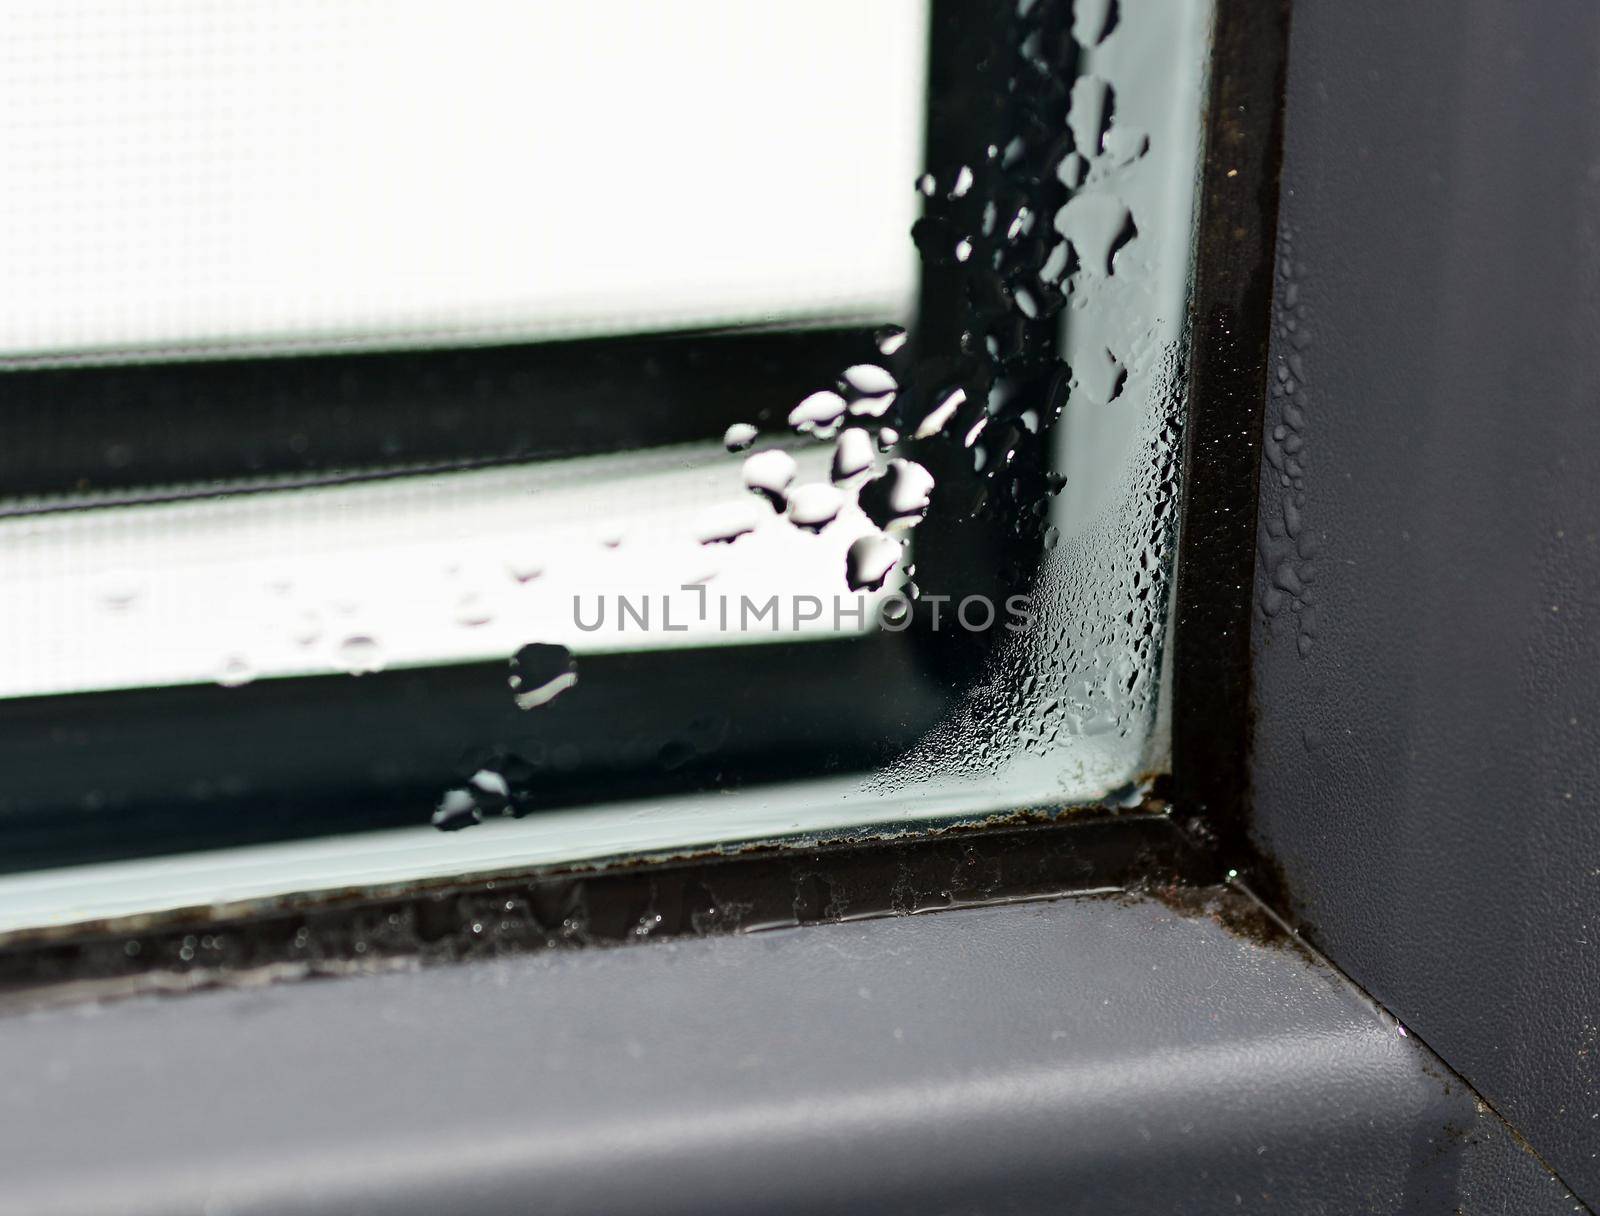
1093,20
963,182
472,611
1090,115
769,474
890,339
1057,263
1098,226
524,571
727,522
888,437
1125,145
739,436
360,655
490,791
900,495
817,412
926,185
872,407
963,249
815,505
541,672
456,810
869,379
852,454
307,629
948,403
235,670
869,561
1070,172
1102,375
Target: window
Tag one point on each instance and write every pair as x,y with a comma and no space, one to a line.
412,431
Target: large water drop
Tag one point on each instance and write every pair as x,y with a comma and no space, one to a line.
869,561
739,436
852,454
815,505
541,672
769,474
817,412
944,409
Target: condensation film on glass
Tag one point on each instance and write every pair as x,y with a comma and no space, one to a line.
456,440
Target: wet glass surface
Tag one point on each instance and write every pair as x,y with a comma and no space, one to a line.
893,548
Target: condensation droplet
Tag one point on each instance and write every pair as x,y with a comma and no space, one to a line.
235,670
1124,145
360,654
1057,263
307,629
913,488
739,436
948,403
890,339
901,495
852,454
456,810
523,571
815,505
1098,226
472,611
963,182
769,474
870,560
1093,21
541,672
869,379
727,522
872,407
817,412
1089,117
1102,375
1070,172
489,790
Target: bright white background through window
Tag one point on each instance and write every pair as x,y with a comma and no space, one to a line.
192,173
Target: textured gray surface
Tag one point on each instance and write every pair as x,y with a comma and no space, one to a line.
1427,756
1088,1055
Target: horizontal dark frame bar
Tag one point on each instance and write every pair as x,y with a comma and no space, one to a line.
136,428
752,888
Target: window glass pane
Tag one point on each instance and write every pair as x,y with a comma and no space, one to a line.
275,621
